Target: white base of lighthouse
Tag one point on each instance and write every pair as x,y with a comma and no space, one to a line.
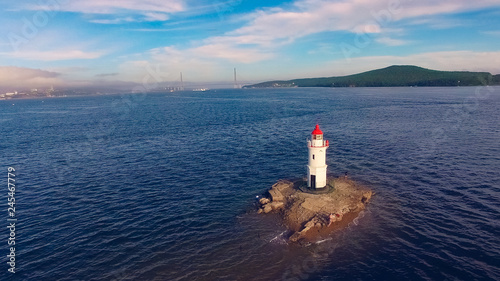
316,167
316,177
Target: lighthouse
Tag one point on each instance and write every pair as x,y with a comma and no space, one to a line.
316,167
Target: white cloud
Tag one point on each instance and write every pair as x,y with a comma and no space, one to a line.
113,21
367,28
114,7
156,16
230,53
437,22
21,78
324,49
145,17
54,55
391,41
267,30
277,25
492,32
126,10
11,76
205,63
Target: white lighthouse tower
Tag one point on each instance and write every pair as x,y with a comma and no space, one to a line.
316,168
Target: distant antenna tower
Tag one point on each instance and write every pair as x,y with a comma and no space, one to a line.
235,82
182,83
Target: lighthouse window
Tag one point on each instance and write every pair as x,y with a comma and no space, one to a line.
313,156
317,137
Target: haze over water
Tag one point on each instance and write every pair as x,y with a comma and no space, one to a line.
162,186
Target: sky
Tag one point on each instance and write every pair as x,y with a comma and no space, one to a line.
130,42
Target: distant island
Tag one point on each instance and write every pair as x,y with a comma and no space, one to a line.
393,76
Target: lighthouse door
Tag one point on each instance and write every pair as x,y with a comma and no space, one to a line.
313,181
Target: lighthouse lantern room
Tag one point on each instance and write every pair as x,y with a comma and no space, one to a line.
316,168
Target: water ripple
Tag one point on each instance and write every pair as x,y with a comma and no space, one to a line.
165,191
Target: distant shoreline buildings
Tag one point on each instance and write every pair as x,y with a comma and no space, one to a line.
33,93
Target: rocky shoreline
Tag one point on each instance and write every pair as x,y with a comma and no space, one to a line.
309,215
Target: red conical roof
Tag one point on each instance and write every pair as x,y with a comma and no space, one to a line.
317,131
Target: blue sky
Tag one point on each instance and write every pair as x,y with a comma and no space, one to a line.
106,42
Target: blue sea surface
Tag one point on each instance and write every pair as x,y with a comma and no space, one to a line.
162,186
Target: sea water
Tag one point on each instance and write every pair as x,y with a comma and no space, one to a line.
162,186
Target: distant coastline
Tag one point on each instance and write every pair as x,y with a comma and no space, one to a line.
392,76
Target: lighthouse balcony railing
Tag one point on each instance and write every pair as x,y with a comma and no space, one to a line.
325,143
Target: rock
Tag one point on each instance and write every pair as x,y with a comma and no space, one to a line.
332,218
366,197
307,214
277,205
260,211
295,237
276,195
310,224
267,208
282,185
264,201
314,204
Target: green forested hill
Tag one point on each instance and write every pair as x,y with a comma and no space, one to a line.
496,79
393,76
